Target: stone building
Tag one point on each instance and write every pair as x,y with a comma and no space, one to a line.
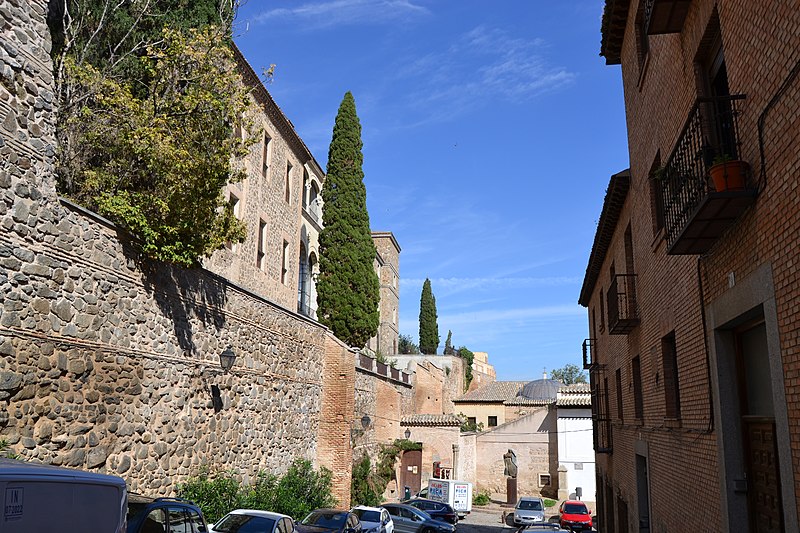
111,362
692,283
387,266
546,424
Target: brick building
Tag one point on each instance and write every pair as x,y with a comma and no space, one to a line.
692,284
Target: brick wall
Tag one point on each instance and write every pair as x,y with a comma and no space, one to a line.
761,46
338,402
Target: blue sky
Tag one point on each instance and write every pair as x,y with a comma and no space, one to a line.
490,131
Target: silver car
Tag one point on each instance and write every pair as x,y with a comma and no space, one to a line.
529,510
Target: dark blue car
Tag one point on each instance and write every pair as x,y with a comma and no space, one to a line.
163,515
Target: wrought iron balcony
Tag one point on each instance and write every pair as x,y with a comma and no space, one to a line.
623,313
695,214
588,353
601,419
665,16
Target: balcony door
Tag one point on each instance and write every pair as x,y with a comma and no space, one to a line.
760,450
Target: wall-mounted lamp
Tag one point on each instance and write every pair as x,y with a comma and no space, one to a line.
408,434
227,358
365,420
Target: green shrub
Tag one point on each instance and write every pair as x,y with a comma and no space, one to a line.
296,493
365,487
215,493
549,503
481,498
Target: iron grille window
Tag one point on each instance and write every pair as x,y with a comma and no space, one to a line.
600,420
619,394
623,313
672,395
638,400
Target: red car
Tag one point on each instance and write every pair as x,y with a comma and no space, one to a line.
574,515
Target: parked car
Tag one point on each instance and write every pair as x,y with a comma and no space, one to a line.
329,521
529,510
573,514
438,510
543,527
408,519
374,519
253,521
163,515
50,498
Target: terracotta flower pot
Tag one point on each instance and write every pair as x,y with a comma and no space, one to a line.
729,176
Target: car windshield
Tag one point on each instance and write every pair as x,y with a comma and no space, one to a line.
575,508
242,523
530,505
134,508
331,520
367,516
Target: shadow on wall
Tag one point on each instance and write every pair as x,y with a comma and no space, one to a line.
182,295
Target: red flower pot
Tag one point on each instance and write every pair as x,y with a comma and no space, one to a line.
729,176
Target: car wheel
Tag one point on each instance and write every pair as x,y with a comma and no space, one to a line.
426,530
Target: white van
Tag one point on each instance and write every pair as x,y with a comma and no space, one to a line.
458,494
41,498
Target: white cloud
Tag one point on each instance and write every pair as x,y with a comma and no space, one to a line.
343,12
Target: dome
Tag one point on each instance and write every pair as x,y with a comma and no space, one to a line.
541,389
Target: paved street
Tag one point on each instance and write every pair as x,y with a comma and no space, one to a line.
490,519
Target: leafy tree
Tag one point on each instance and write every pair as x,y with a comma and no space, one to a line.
569,374
405,345
468,357
428,328
348,290
156,165
448,344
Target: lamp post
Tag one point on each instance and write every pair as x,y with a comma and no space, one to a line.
227,358
408,434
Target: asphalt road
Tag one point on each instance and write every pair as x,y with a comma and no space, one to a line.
489,520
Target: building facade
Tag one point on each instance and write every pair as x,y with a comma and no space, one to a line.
692,285
387,266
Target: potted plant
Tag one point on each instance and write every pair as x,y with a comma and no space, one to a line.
728,173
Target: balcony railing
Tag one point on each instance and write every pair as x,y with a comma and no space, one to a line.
601,419
588,353
665,16
314,211
623,312
695,214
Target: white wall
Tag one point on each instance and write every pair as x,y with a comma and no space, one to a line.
575,449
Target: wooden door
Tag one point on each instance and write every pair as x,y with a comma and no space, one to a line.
411,468
759,444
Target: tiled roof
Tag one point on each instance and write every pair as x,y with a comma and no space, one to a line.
575,395
526,401
612,206
612,30
496,391
430,420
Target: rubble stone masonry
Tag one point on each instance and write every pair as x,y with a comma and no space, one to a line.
111,363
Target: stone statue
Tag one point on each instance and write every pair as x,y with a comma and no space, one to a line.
510,459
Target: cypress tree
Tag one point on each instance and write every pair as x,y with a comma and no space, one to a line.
448,344
428,328
348,290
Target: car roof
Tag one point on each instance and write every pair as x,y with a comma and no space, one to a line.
258,512
575,502
530,498
367,508
12,469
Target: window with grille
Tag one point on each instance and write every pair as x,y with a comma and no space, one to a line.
669,358
638,400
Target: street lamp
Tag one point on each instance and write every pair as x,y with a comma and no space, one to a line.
227,358
365,420
408,434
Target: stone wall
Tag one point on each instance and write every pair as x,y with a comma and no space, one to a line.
111,363
534,439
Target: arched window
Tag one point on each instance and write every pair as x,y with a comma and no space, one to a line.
313,269
302,282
